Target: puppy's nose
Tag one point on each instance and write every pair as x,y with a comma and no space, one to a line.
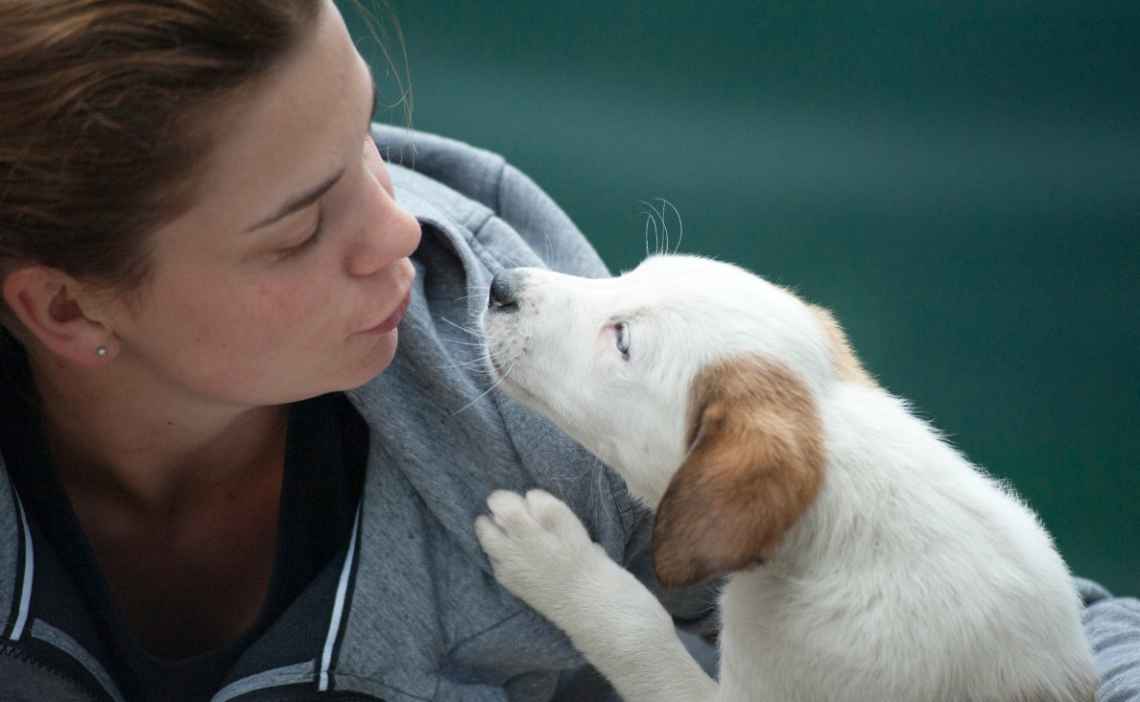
504,291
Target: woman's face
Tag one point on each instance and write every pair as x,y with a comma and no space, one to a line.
287,276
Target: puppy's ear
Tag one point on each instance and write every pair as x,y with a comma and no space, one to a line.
847,365
755,464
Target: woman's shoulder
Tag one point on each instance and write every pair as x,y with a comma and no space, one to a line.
492,206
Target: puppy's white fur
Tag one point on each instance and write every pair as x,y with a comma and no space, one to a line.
866,559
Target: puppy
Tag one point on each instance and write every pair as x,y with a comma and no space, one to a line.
866,560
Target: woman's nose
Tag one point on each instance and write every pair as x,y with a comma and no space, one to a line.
389,233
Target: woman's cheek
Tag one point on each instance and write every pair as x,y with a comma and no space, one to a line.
283,302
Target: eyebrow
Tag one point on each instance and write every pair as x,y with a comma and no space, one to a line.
303,200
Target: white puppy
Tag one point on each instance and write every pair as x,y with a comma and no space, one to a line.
867,560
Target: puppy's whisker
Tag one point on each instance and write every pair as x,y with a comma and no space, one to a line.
680,222
482,365
486,392
485,364
468,364
653,216
473,332
647,236
480,292
651,219
470,344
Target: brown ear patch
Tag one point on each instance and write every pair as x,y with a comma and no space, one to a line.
755,464
847,365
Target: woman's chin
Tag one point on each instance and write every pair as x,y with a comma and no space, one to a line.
378,356
368,360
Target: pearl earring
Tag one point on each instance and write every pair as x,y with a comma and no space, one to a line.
102,352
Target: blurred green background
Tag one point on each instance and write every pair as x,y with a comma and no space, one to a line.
959,181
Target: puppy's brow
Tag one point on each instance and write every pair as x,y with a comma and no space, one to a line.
634,315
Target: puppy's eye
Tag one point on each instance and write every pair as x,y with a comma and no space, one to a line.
621,329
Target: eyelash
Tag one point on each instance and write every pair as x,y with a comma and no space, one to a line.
309,240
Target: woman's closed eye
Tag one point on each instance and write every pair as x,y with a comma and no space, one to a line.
307,242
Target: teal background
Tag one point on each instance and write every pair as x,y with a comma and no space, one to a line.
958,181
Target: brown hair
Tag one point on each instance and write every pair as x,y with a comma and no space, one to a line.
101,111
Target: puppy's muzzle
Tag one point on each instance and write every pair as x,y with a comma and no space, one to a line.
505,289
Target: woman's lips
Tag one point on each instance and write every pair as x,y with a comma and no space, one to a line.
393,320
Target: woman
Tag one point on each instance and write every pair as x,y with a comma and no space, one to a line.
204,267
220,477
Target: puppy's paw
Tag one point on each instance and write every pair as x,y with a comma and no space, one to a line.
537,546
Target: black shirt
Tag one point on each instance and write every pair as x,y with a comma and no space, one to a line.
325,457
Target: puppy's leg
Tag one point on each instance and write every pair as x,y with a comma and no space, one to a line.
541,553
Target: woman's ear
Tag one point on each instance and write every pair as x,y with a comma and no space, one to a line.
755,464
54,311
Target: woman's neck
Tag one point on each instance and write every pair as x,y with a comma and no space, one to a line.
149,447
